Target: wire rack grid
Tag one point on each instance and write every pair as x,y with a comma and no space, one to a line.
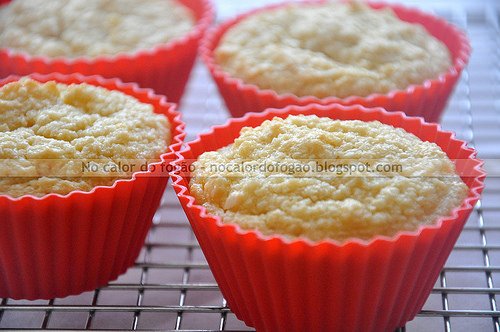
171,287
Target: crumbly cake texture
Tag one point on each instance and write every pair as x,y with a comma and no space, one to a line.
72,28
331,49
51,134
319,205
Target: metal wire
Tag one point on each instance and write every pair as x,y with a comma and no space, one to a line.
171,287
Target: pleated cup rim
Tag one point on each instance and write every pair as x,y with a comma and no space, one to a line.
196,31
173,116
379,115
213,36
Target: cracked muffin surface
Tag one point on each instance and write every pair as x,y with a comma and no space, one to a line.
318,178
330,49
57,138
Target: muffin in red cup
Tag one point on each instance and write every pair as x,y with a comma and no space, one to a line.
283,245
153,43
82,172
373,54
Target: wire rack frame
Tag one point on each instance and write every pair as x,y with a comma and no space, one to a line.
171,287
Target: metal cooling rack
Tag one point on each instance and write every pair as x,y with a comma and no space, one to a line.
171,287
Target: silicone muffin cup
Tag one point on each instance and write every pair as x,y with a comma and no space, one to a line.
277,284
59,245
164,68
427,99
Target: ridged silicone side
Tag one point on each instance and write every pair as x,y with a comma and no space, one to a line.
164,68
55,246
427,99
275,284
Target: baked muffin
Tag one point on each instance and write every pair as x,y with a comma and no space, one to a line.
330,49
72,28
373,54
258,229
74,216
57,138
136,41
318,178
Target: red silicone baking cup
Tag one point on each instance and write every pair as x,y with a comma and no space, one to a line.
427,100
58,245
164,68
276,284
